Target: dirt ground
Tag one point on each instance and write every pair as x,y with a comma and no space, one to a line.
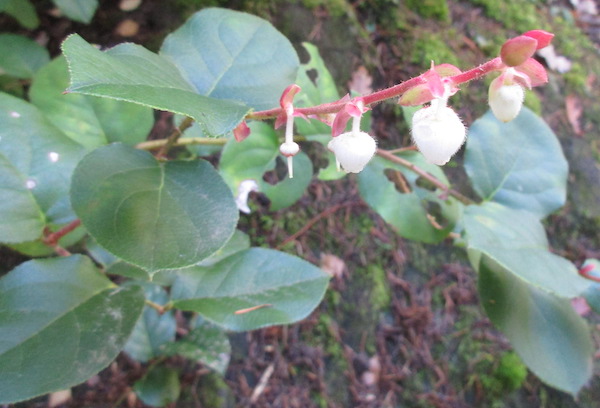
401,324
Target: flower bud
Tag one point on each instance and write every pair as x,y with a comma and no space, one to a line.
289,149
506,101
353,150
438,132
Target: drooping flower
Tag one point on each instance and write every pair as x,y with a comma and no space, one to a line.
506,96
353,150
438,132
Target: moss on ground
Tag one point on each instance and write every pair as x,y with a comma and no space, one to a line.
434,9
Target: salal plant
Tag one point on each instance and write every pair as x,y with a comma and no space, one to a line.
125,235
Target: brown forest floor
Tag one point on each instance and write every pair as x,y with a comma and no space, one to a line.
401,324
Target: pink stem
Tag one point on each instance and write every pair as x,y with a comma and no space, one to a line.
394,91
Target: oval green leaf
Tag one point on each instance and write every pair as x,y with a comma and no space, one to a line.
206,343
551,339
78,10
251,289
153,214
21,219
408,212
153,331
516,240
519,164
61,322
21,56
227,54
22,10
90,121
159,387
43,156
131,73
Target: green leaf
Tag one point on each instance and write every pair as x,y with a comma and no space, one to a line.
21,219
226,54
78,10
153,331
206,344
37,248
21,56
152,214
159,387
553,341
238,242
408,212
42,155
131,73
90,121
516,240
22,10
285,288
519,164
61,322
289,190
251,158
322,90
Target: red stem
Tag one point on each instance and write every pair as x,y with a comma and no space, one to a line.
53,238
392,92
586,273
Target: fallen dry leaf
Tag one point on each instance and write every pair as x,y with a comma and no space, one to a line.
574,109
361,81
59,398
333,265
129,5
127,28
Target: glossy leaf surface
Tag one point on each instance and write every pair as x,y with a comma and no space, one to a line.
78,10
227,54
152,331
90,121
153,214
206,344
37,156
281,287
21,56
408,212
131,73
76,326
517,241
551,339
519,164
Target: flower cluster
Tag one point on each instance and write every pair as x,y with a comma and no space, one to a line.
437,130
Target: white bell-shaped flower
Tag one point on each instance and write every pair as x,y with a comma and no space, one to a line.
506,101
353,150
438,132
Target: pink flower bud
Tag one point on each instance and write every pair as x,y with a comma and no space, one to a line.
353,150
241,132
438,132
543,38
517,50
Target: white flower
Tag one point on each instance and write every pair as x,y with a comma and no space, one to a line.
506,101
353,150
438,132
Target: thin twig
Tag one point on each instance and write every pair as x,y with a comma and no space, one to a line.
416,169
52,239
160,309
156,144
262,383
174,136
